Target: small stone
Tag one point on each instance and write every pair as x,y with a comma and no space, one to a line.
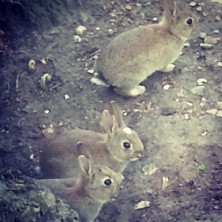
211,40
149,170
219,105
216,31
165,181
142,204
203,35
198,90
212,111
219,113
80,30
206,45
219,64
155,19
43,61
66,97
31,157
217,18
46,111
186,116
110,31
128,7
90,71
77,39
167,87
201,81
97,28
199,8
189,104
193,4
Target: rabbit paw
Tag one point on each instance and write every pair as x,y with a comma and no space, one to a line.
138,90
168,68
98,81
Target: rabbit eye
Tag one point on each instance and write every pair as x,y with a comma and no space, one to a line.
107,182
189,21
126,145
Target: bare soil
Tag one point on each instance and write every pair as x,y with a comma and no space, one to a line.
178,118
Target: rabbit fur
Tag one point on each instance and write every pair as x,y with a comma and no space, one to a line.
136,54
115,148
96,185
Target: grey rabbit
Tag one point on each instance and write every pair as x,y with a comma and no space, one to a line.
136,54
87,193
115,148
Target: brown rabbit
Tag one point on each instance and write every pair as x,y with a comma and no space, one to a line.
115,148
96,185
136,54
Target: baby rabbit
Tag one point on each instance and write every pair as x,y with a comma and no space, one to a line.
115,148
96,185
136,54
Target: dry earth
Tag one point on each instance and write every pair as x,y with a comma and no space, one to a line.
178,118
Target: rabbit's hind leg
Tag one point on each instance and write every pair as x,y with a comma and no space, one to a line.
130,92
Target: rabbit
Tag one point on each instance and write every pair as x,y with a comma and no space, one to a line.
115,148
86,194
136,54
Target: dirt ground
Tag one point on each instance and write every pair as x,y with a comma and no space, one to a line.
178,118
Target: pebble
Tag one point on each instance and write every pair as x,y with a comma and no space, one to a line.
66,97
43,61
216,31
212,111
77,38
110,31
201,81
80,30
198,90
199,8
186,116
149,170
142,204
166,87
206,45
211,40
193,4
217,18
128,7
203,35
155,19
219,64
219,113
219,105
46,111
165,181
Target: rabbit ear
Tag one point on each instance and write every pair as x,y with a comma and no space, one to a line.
85,165
169,6
117,112
108,122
